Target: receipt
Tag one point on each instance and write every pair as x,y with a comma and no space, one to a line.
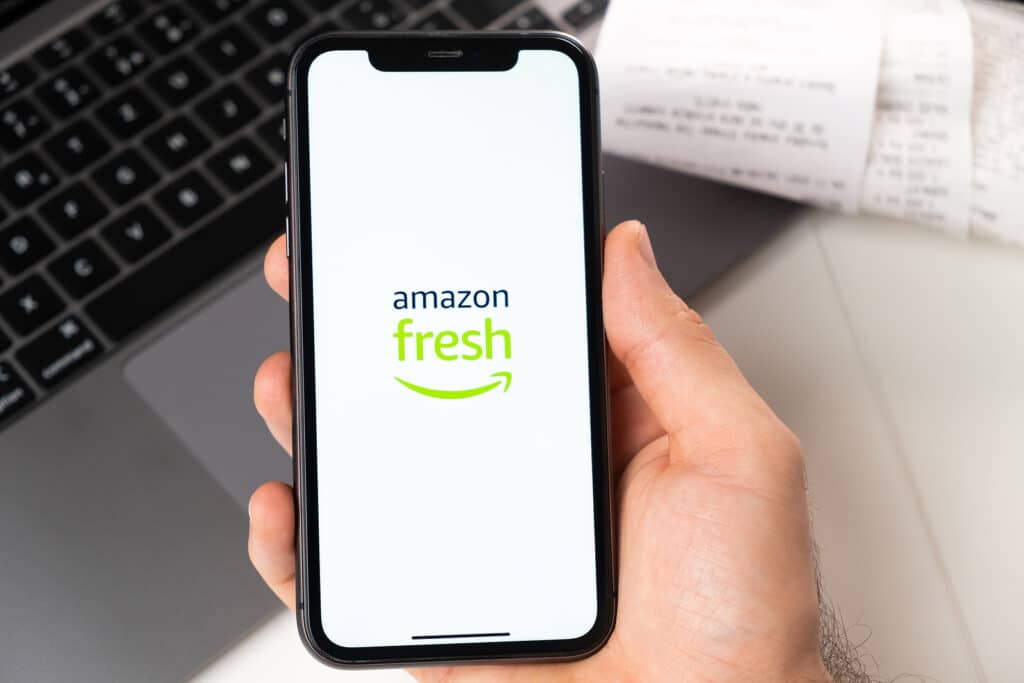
919,164
998,189
774,96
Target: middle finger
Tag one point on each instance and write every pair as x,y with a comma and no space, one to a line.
272,394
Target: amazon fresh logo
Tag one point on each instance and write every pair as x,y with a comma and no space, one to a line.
487,341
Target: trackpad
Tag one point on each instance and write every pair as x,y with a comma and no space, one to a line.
198,378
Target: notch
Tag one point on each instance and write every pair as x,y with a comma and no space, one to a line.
430,53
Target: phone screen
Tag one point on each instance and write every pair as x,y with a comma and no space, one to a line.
455,487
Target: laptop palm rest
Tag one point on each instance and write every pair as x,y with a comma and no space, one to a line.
198,379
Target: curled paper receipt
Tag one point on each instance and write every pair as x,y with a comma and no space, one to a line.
774,96
907,108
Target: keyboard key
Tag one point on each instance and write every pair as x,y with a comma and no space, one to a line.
239,165
82,269
25,180
61,49
59,352
168,28
188,199
227,110
118,61
22,245
29,304
20,124
227,50
435,21
125,176
178,81
77,146
14,393
176,143
269,78
128,113
15,78
531,20
73,210
272,133
480,13
373,14
584,12
276,19
215,10
113,16
136,234
67,93
191,262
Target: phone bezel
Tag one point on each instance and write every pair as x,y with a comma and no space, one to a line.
488,51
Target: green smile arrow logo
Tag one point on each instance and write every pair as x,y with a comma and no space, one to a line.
459,393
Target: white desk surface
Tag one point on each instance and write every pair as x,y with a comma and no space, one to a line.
897,356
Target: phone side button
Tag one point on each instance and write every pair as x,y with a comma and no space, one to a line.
287,237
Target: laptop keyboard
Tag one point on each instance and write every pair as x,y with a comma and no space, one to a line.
141,155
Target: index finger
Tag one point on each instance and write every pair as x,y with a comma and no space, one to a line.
275,267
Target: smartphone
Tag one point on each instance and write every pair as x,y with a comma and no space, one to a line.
451,429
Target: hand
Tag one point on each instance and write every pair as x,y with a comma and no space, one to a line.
716,574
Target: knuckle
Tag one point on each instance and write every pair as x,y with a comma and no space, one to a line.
765,449
693,325
680,319
790,442
784,451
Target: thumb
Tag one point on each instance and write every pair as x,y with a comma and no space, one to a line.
688,380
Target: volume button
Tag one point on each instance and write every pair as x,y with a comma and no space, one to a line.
286,183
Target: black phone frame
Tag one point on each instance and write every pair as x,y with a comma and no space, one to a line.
408,51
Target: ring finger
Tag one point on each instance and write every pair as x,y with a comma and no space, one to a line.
272,394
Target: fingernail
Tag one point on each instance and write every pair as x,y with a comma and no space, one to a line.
644,245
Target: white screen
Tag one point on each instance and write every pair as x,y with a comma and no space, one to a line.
441,515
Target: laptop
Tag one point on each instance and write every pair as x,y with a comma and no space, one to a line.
141,157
